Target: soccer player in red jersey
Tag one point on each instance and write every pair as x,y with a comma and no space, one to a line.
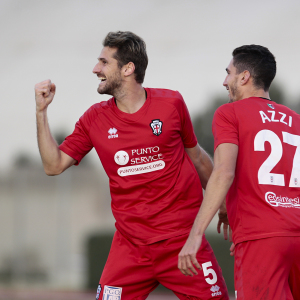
145,140
257,164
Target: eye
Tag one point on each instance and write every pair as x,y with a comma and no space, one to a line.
102,61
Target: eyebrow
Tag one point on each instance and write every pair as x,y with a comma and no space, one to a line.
101,59
227,70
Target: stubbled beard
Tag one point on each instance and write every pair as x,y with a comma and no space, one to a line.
111,85
233,92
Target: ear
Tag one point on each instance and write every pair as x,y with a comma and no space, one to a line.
245,77
128,69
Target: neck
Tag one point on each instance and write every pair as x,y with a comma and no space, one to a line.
256,93
131,98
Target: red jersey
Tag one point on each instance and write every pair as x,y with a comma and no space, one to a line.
155,189
264,199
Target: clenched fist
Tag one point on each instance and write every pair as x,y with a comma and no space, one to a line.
44,94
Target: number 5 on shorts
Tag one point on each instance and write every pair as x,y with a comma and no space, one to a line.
207,271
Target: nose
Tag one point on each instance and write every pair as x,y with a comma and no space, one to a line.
225,82
97,68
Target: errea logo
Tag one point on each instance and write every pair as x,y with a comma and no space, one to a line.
112,133
215,291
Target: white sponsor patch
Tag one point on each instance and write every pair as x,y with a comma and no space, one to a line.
112,293
140,169
275,200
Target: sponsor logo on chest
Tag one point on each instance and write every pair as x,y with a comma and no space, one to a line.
141,161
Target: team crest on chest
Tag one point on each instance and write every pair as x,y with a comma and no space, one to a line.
156,126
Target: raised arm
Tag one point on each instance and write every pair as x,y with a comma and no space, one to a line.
54,160
202,163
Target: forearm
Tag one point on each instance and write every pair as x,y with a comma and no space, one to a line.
202,162
213,198
49,151
205,168
217,187
216,191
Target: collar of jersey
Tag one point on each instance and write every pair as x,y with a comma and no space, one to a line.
135,116
265,98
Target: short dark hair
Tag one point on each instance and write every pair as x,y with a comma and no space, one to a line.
130,48
259,61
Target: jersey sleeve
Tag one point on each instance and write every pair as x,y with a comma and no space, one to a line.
78,144
225,126
187,131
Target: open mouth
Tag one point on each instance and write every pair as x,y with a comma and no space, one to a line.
102,79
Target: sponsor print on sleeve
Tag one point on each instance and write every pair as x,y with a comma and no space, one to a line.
139,161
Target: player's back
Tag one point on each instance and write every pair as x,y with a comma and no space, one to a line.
264,199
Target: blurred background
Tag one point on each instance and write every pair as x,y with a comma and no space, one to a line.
55,232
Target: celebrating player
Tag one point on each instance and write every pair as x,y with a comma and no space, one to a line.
146,143
257,161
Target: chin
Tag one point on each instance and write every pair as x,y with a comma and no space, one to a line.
101,91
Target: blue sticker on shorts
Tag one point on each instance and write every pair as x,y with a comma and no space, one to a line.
98,292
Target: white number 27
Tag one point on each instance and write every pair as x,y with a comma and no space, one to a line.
264,173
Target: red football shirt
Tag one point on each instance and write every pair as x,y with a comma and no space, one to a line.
264,199
155,189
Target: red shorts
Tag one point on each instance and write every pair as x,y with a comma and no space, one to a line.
133,271
268,269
